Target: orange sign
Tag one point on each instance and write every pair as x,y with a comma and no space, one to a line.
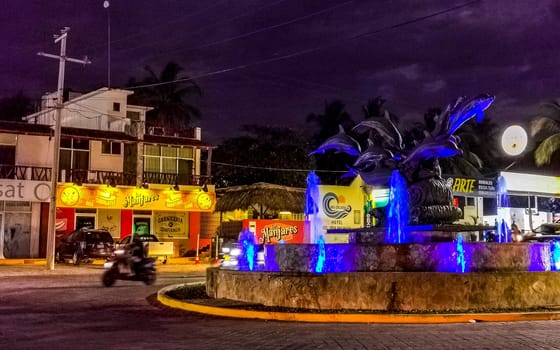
70,195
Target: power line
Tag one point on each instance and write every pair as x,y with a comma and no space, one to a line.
310,50
276,169
260,30
216,24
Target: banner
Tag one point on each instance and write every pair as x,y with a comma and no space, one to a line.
73,196
275,231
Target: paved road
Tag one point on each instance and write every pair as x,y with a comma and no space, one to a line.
69,309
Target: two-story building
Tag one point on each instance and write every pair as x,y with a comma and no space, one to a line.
114,173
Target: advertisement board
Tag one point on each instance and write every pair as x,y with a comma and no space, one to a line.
275,231
73,196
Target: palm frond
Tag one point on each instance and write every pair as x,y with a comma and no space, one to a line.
543,153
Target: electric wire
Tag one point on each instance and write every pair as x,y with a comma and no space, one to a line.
309,50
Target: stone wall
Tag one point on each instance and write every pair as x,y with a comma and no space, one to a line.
389,291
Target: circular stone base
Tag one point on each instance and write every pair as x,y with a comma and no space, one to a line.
389,291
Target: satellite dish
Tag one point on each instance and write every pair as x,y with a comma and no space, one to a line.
514,140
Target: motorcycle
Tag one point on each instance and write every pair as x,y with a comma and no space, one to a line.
121,268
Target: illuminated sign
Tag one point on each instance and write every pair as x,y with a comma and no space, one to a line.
478,187
70,195
170,224
335,206
276,231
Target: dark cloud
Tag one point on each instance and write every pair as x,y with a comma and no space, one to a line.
277,61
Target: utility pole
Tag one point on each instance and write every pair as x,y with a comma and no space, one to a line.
51,236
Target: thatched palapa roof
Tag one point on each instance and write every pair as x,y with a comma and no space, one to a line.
261,196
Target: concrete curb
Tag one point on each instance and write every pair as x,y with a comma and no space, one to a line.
351,318
170,261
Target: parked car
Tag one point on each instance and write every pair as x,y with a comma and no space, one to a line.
152,246
85,244
545,232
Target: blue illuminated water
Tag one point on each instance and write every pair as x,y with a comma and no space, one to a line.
312,199
397,214
502,203
460,255
321,255
555,256
248,250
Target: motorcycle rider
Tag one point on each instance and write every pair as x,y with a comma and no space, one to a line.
136,253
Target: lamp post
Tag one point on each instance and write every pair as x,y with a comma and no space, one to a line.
51,235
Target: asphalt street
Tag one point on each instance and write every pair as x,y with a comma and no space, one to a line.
68,308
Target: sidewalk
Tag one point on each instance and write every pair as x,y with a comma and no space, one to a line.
37,267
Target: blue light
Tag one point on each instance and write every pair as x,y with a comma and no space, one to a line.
555,256
321,255
460,255
248,251
397,215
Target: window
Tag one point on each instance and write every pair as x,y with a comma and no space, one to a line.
74,154
470,201
110,147
167,159
116,106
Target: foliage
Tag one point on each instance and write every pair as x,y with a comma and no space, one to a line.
545,129
15,107
330,166
269,154
170,94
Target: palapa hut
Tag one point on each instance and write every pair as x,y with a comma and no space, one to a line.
262,197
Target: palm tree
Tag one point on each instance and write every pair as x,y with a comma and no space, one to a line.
328,123
15,107
545,129
170,95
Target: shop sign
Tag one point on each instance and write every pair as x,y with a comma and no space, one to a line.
170,224
340,206
70,195
276,231
477,187
25,190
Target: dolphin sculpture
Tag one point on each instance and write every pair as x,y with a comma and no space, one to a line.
340,143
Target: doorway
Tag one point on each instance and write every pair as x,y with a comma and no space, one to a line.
142,224
85,220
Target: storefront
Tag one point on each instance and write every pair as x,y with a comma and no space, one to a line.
172,215
20,217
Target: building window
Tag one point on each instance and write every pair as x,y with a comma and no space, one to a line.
110,147
116,107
169,160
74,154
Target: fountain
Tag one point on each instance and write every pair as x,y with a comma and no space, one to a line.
415,264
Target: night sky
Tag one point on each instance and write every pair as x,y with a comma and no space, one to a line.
276,61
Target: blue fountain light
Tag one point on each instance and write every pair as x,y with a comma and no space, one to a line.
312,200
460,255
397,215
248,250
555,256
502,201
321,255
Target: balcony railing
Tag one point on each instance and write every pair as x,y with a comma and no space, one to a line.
22,172
83,176
179,179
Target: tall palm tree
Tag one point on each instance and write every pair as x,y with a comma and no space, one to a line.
15,107
545,129
170,94
328,123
